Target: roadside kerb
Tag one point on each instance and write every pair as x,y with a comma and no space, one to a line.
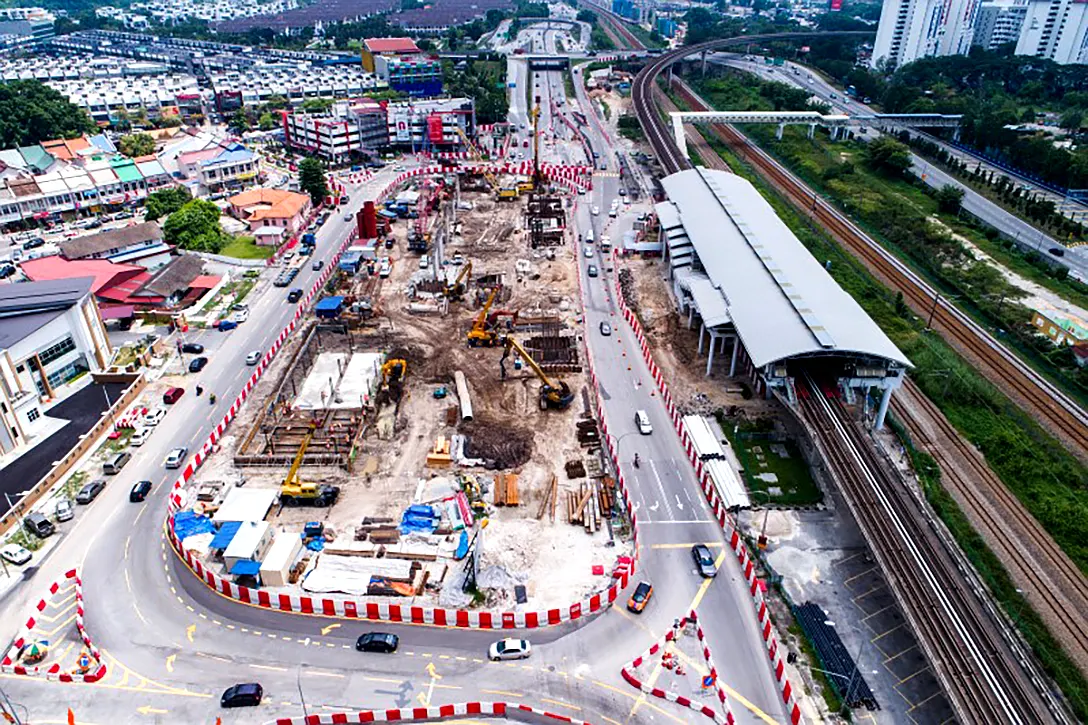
435,713
770,636
53,671
362,609
632,679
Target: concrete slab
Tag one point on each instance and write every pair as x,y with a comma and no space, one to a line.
354,387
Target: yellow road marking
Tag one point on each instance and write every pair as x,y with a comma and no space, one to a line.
170,663
382,679
560,703
504,693
325,630
189,631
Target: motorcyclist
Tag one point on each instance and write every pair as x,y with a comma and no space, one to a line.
636,460
211,398
199,390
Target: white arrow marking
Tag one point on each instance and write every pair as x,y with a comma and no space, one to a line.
654,507
678,504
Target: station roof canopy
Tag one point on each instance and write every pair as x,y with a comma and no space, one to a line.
781,300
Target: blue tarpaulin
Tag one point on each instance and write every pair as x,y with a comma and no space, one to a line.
187,523
329,307
418,518
462,547
225,535
245,567
316,544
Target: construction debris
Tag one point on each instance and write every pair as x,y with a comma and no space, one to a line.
506,490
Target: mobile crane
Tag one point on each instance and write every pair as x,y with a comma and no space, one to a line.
553,394
481,334
296,492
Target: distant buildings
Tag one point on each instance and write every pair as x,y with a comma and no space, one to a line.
272,214
51,336
387,47
27,26
415,76
365,126
999,22
912,29
219,167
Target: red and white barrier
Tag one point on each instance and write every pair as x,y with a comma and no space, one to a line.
435,713
52,672
629,674
770,637
362,608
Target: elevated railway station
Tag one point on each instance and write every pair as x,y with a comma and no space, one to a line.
738,272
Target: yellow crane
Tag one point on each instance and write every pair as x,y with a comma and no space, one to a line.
456,290
553,394
296,492
480,334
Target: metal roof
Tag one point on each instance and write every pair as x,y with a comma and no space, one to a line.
782,301
27,306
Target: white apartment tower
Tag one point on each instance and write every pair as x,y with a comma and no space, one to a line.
999,22
1056,30
912,29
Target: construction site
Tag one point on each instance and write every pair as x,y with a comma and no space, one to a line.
435,391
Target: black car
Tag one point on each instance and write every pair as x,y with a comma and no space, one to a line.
704,560
139,491
377,642
34,243
247,694
90,492
7,270
294,295
197,364
193,348
318,264
1057,251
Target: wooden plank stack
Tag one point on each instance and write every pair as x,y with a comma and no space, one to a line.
550,496
506,490
584,508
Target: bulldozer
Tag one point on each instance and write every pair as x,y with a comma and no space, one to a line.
296,492
553,394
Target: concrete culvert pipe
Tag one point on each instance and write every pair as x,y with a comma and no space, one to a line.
462,395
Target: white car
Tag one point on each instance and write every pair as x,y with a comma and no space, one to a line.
176,457
240,316
63,510
16,554
509,649
154,417
596,210
254,357
140,436
589,252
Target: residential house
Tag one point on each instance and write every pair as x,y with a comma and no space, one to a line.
275,208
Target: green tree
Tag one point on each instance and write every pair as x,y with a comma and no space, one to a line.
31,112
311,179
195,226
137,144
166,201
888,155
1072,120
949,198
239,122
266,122
317,105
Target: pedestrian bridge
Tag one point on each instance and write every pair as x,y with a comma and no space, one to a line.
812,119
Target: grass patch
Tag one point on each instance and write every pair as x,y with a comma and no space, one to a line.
73,484
599,39
648,39
243,288
120,443
1031,463
606,110
246,247
761,452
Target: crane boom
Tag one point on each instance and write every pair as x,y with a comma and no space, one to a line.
510,343
553,394
479,334
292,475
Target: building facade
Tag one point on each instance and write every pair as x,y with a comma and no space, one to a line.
51,336
1056,30
999,22
416,76
912,29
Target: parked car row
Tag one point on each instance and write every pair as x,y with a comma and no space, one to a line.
285,277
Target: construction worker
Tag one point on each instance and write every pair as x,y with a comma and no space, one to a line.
636,460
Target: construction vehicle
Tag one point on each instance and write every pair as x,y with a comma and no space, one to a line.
456,290
296,492
554,394
481,334
393,374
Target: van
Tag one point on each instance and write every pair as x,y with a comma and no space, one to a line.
172,395
39,525
385,268
115,463
642,421
589,237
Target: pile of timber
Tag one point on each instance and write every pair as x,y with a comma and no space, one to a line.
506,490
588,434
378,530
551,496
584,507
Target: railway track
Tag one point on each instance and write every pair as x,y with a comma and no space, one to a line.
617,24
1051,581
984,679
984,682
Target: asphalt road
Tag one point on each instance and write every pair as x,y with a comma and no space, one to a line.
1015,228
172,645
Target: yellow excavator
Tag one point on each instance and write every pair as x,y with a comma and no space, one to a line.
481,335
553,394
393,373
296,492
456,290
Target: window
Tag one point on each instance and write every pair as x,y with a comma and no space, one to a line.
33,414
20,368
57,350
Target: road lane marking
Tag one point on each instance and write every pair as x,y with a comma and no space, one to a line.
273,668
170,662
321,673
504,693
383,679
560,703
189,631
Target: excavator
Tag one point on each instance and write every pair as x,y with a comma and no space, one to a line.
553,394
393,374
455,292
502,193
296,492
480,335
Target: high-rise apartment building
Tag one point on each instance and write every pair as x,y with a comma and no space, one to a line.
999,22
1056,30
912,29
